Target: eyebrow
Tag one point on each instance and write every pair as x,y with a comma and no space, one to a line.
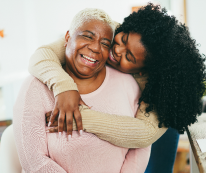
94,35
89,32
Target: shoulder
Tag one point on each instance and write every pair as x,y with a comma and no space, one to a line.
32,82
114,73
127,80
141,80
34,94
32,87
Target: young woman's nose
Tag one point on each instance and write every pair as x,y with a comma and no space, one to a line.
95,46
119,50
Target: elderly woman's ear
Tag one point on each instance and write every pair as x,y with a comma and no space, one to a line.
66,38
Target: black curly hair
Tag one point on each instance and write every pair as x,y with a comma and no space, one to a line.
175,68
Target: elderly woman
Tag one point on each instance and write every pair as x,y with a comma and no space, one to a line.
148,42
87,48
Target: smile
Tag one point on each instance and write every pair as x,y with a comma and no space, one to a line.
111,57
88,59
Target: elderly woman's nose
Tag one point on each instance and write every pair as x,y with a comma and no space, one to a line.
95,46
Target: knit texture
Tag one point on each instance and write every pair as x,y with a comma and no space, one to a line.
47,152
142,131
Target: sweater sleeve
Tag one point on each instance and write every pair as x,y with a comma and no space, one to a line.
29,129
123,131
142,131
45,64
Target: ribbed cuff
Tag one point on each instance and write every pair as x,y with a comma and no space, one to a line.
63,86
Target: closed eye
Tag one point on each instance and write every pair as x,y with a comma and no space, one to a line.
123,39
127,57
106,45
87,36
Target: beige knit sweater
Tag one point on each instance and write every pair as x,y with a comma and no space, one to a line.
123,131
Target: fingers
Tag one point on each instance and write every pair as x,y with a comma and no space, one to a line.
47,120
53,116
54,124
53,130
48,114
81,102
69,123
78,119
66,103
61,122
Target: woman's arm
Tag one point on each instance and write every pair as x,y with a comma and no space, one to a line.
29,128
122,131
45,64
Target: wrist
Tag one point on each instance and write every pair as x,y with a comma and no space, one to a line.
63,86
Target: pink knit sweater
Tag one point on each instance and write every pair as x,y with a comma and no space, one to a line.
47,152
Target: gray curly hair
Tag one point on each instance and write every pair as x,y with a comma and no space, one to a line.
88,14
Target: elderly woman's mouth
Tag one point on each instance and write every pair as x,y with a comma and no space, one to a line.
88,60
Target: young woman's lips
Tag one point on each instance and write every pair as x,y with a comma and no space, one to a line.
87,61
111,57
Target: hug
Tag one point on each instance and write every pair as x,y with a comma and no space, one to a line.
126,85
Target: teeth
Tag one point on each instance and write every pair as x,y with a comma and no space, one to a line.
111,54
91,59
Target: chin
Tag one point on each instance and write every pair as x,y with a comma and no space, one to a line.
84,75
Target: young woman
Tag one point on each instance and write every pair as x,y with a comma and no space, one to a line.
158,51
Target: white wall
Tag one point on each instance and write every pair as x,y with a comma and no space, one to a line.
196,20
12,47
57,15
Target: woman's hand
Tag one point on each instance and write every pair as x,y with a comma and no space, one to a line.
67,107
54,127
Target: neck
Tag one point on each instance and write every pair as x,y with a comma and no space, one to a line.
88,85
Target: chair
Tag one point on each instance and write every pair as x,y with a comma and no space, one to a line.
9,160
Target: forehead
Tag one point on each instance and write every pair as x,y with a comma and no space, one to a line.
96,26
136,47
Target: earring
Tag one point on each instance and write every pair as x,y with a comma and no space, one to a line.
65,44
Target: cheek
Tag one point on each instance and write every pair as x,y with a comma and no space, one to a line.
125,67
105,53
124,64
71,47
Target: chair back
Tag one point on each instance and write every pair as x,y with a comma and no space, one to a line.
9,160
